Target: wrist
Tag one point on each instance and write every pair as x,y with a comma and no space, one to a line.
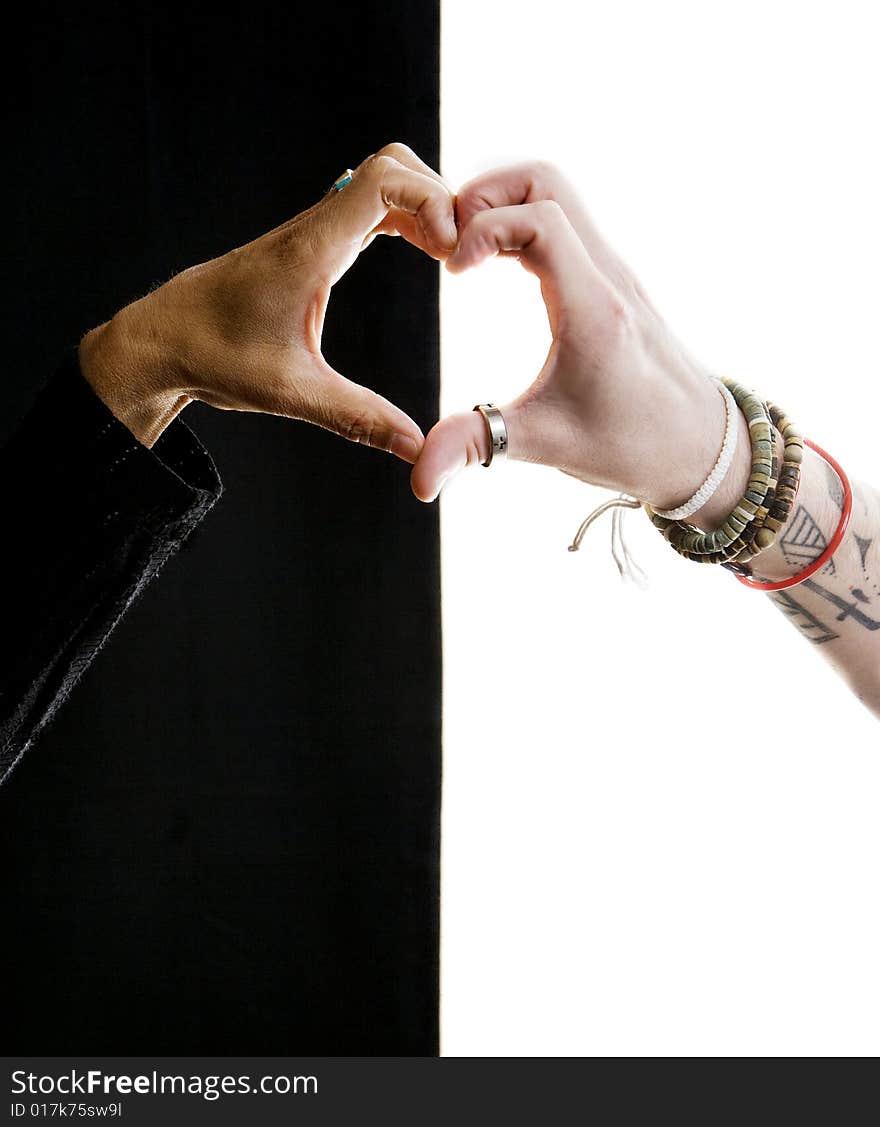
725,499
811,524
133,369
693,446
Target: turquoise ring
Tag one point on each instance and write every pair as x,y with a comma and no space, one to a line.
340,182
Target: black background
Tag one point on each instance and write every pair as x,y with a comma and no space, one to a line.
228,841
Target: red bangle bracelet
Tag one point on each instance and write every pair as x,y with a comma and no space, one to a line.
834,544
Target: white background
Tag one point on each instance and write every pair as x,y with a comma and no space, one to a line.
660,827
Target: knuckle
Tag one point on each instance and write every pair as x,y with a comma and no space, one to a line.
379,164
397,150
378,168
486,236
548,212
545,174
358,427
437,201
484,223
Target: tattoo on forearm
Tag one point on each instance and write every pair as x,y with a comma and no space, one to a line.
812,626
803,541
847,609
809,625
835,489
864,545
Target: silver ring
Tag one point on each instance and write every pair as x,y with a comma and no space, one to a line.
495,425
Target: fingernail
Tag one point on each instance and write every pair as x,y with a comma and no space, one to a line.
404,447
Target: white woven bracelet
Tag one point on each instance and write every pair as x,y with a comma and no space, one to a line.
719,470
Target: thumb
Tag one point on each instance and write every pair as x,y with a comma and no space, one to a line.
360,415
452,444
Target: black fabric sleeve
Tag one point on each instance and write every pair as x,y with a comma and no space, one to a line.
89,516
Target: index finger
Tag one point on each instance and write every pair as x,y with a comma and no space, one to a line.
382,184
541,237
400,222
529,183
405,156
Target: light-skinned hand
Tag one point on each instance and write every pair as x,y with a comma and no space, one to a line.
618,402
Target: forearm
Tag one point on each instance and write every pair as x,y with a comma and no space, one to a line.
90,516
838,608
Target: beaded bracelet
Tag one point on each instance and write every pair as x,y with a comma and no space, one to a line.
785,493
696,544
754,523
747,579
762,533
763,510
744,542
